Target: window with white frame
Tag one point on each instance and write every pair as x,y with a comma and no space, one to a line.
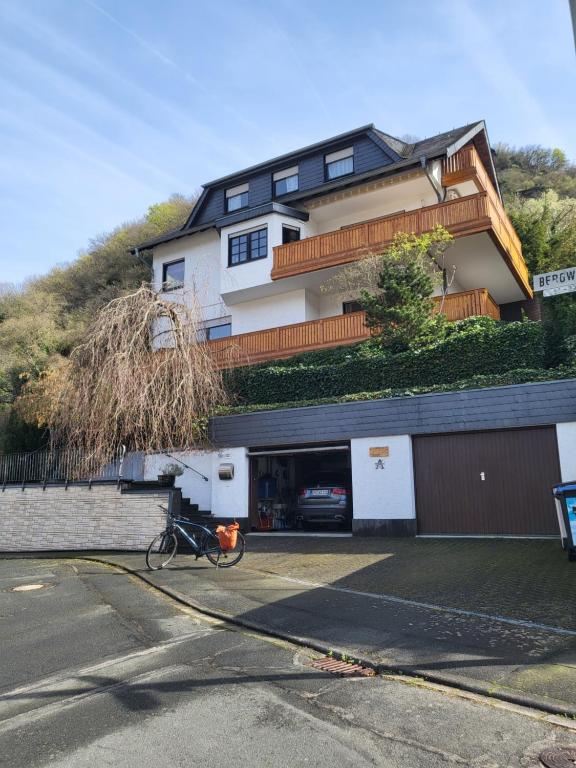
339,163
237,198
286,181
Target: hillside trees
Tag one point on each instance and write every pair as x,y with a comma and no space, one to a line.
43,320
547,228
534,168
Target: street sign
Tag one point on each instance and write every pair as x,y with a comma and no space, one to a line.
562,278
562,289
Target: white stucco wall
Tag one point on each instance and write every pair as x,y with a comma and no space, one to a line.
201,254
383,489
257,273
373,204
230,497
330,305
193,487
224,498
270,312
566,435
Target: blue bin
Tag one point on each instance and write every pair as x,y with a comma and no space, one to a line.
565,495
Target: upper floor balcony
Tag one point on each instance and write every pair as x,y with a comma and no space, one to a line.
287,340
479,213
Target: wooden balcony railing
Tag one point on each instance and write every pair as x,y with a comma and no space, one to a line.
480,212
463,166
457,306
288,340
467,165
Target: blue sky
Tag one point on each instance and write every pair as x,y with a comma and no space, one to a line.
107,106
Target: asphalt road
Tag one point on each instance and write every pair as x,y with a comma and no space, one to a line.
97,670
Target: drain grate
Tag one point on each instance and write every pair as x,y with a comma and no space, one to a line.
558,757
342,668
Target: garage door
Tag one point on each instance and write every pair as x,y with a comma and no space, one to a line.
487,483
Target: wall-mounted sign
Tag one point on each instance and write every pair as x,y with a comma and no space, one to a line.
381,452
552,283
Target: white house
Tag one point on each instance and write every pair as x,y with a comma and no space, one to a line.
260,243
256,251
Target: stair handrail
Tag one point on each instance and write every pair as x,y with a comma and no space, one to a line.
170,456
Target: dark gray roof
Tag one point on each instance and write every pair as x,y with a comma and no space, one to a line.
520,405
286,158
405,155
438,145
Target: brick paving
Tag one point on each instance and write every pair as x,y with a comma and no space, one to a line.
520,579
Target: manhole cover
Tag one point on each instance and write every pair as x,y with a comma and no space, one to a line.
27,587
559,757
343,668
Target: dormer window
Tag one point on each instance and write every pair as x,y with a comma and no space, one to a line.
286,181
339,163
237,198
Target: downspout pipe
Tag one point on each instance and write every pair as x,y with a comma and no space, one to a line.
441,195
438,188
136,252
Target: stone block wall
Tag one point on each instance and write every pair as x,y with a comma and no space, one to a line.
80,517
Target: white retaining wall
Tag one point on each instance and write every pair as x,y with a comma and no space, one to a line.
224,498
383,486
80,517
566,436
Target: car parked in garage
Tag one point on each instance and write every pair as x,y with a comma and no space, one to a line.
324,498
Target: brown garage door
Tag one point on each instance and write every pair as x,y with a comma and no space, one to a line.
487,482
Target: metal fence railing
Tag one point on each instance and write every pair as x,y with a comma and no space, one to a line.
64,465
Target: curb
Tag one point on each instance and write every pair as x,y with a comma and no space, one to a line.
448,680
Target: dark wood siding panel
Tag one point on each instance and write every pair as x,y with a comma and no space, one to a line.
213,207
260,189
368,156
310,172
519,469
520,405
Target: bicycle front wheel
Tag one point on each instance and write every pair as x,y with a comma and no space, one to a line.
161,551
224,558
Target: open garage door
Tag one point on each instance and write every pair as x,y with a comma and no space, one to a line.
487,483
301,488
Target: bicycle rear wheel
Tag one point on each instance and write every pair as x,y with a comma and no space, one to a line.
161,551
224,558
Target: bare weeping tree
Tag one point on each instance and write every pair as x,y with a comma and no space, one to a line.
142,377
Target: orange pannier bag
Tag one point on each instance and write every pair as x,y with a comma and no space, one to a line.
228,535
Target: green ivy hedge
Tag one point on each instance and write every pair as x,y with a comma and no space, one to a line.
472,347
518,376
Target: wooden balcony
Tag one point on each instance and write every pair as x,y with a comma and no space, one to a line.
458,306
464,216
466,165
288,340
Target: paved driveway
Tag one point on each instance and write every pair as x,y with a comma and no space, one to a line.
521,579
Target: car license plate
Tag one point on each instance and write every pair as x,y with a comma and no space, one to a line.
322,492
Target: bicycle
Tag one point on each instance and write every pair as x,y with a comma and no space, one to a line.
203,542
